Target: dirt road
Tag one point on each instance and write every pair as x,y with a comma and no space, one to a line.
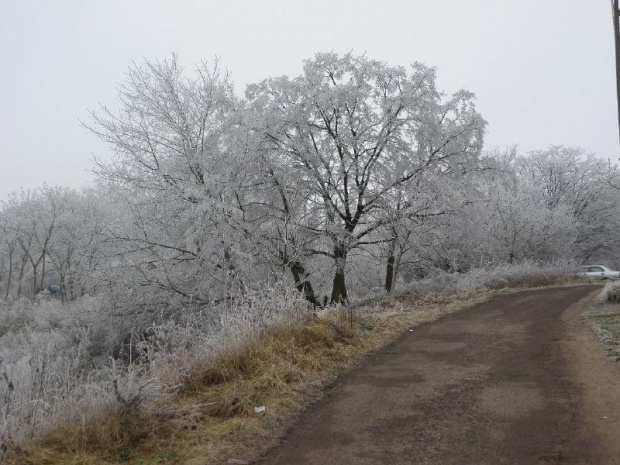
518,380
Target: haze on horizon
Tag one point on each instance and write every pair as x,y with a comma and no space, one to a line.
543,72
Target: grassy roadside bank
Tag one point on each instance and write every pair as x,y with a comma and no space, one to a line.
212,417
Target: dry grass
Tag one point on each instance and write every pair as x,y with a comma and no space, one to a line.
533,281
212,417
282,356
522,275
109,438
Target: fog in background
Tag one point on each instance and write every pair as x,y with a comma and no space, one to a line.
543,71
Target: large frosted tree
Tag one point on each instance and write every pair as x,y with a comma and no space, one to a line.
175,175
353,133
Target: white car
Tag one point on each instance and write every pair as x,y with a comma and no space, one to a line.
598,272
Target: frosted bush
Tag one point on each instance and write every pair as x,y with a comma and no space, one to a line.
176,346
611,292
48,375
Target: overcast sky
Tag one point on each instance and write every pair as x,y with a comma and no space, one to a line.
542,70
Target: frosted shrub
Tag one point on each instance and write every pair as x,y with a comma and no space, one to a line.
436,283
16,315
175,346
38,380
47,372
611,292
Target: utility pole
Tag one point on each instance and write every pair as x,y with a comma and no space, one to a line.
616,16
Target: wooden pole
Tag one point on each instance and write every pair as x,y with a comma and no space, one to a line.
616,18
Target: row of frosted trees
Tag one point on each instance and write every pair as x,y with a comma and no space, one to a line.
350,178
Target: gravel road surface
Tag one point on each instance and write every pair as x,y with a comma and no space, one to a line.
517,380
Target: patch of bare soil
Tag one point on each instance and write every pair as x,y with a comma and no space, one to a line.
517,380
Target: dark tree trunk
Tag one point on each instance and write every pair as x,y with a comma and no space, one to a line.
42,271
21,275
389,269
389,273
61,281
34,276
339,287
8,281
302,283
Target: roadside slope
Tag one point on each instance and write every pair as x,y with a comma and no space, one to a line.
493,384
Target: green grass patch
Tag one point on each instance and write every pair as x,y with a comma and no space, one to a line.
605,319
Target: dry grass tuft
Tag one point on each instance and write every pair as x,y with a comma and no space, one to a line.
530,281
283,356
112,436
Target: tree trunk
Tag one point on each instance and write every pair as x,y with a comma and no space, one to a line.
389,273
61,281
21,275
34,280
301,282
8,280
389,269
34,275
42,271
339,287
396,270
71,287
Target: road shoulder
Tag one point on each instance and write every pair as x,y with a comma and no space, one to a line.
597,376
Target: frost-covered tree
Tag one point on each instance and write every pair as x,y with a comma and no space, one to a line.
307,167
8,254
520,225
416,213
30,219
49,236
354,131
569,178
75,250
174,174
353,158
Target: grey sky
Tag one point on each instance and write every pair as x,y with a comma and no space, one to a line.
542,69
